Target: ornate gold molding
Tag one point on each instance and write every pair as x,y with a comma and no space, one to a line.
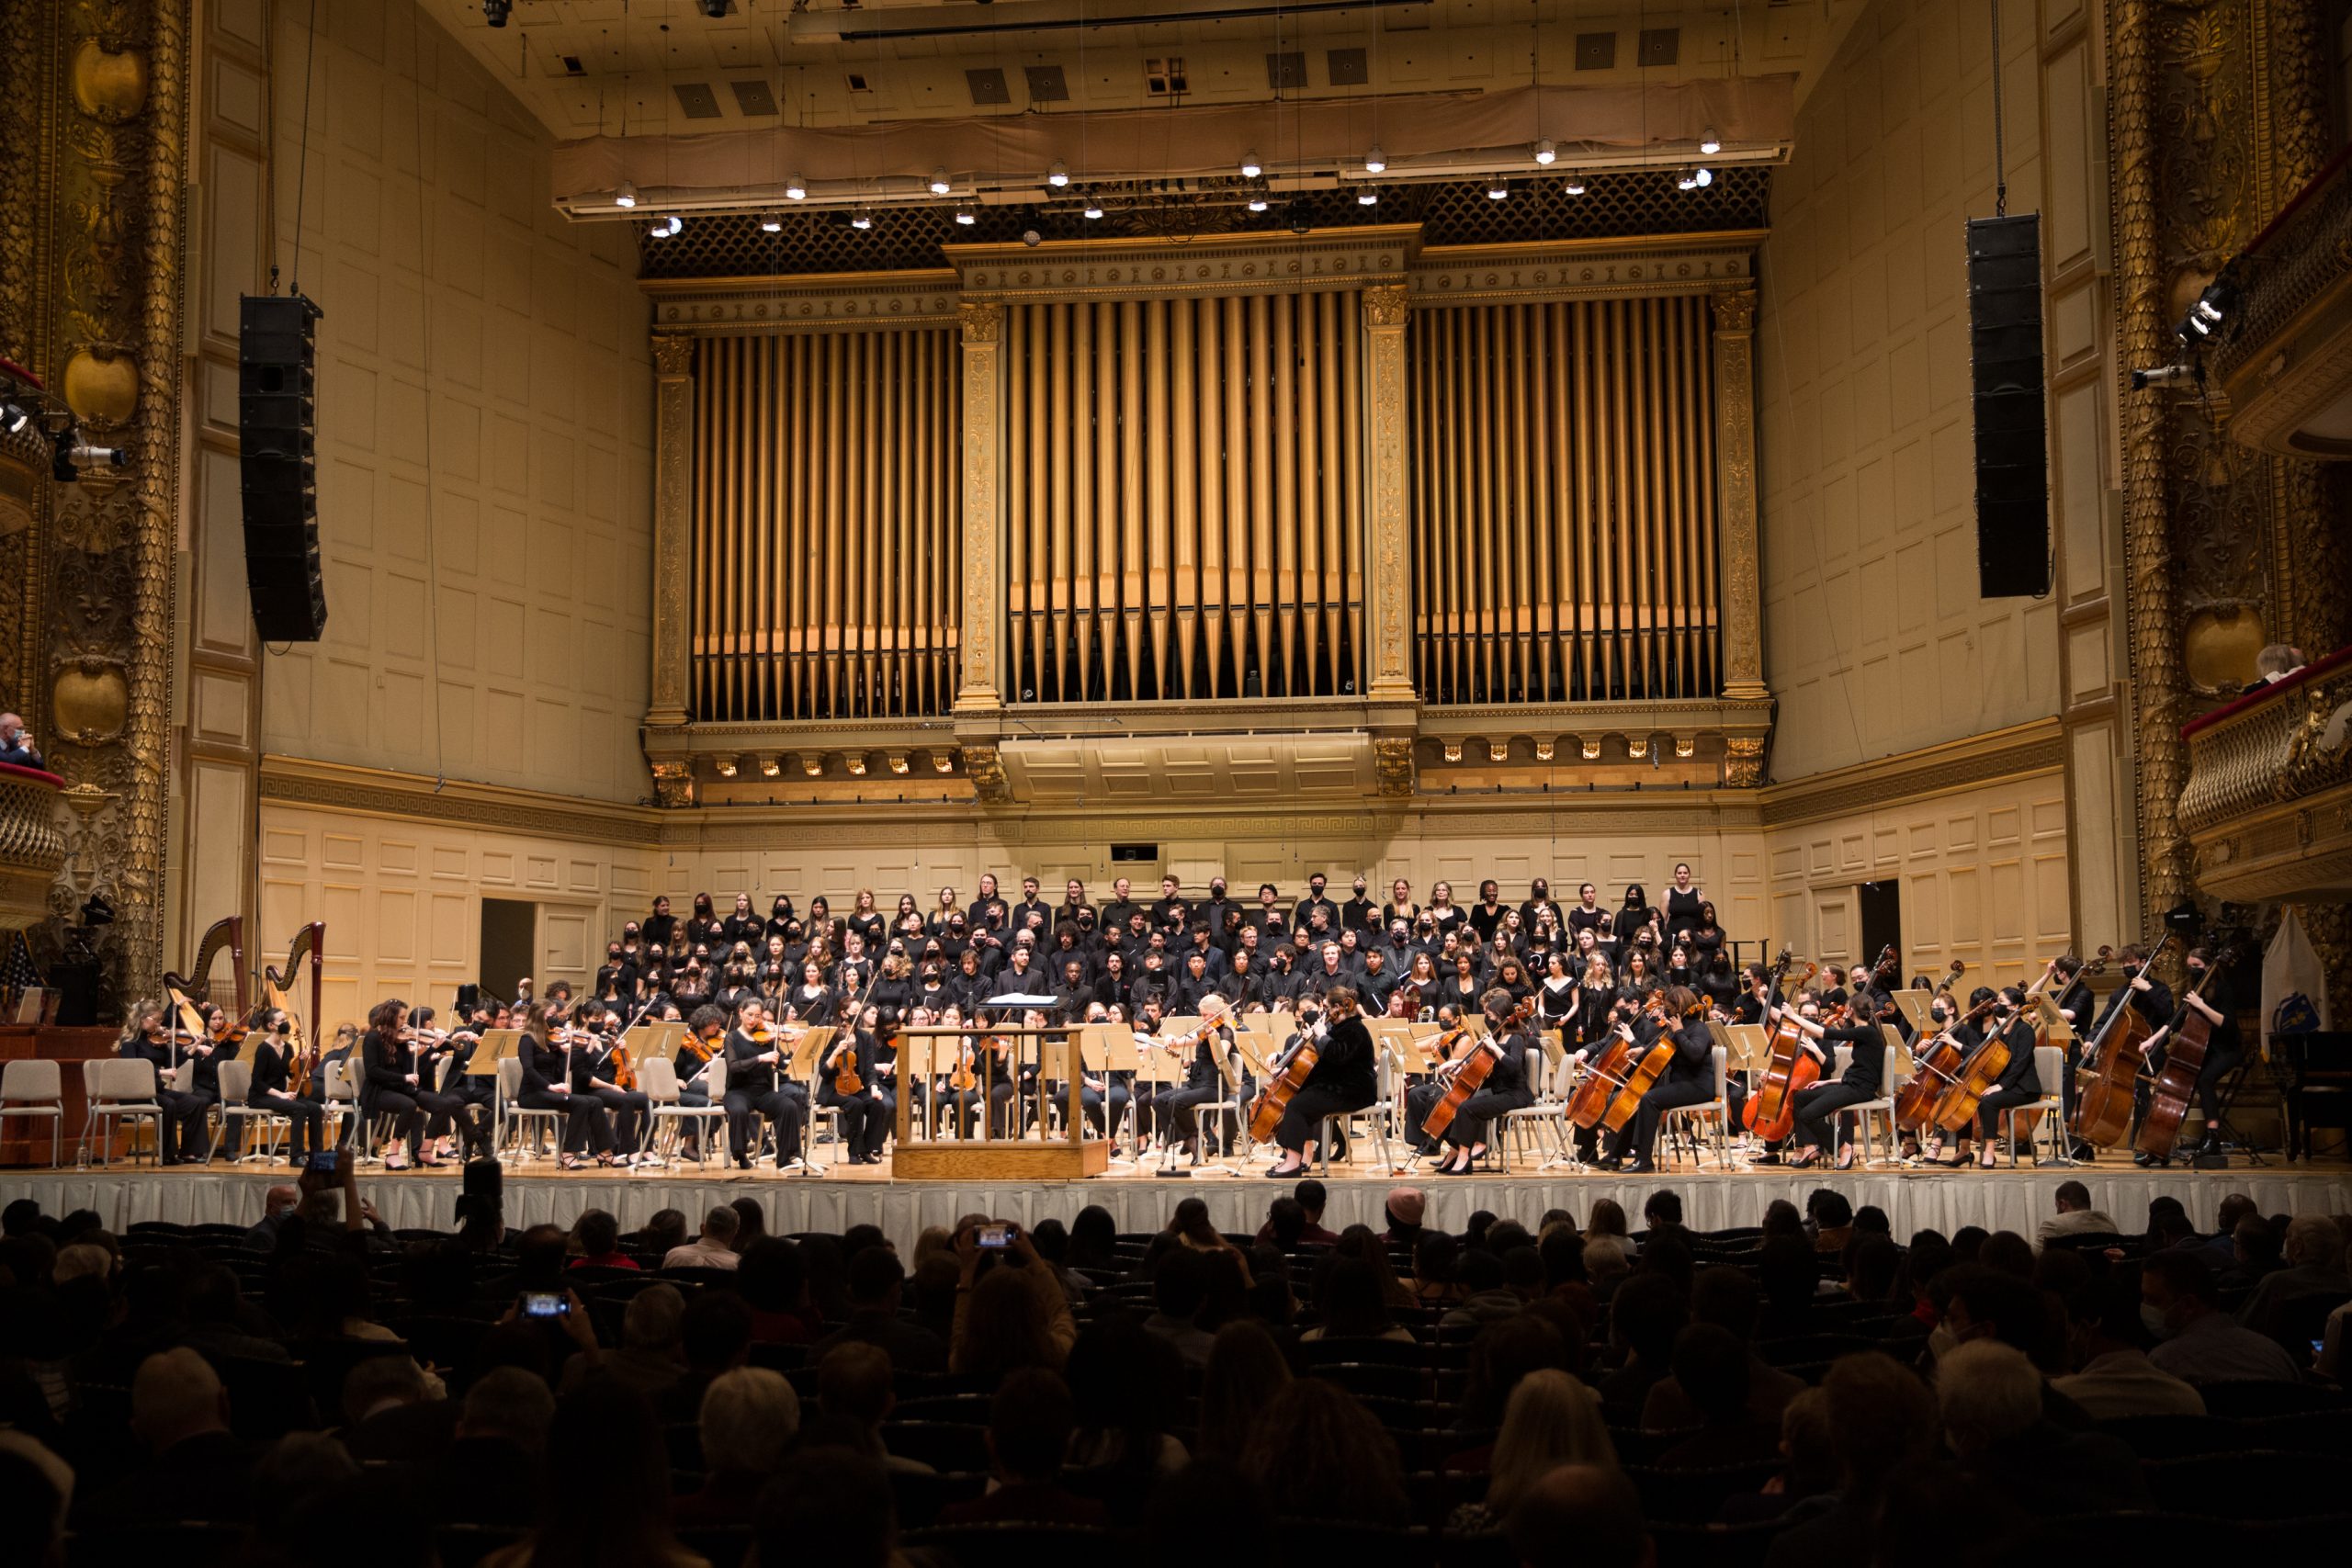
374,792
1235,264
1387,452
674,431
1675,264
978,690
2020,751
734,306
1743,633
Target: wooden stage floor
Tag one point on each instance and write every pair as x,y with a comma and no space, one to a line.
536,1190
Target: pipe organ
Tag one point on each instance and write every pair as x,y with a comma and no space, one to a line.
1246,483
1565,542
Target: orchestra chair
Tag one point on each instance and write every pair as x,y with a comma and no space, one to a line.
237,1120
342,1098
2050,1071
30,1087
1375,1117
119,1088
1548,1110
1882,1106
657,1077
1690,1118
514,1117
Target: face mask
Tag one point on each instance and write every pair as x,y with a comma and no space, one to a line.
2151,1318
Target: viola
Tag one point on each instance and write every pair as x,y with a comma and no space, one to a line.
2176,1084
1770,1112
1466,1074
2106,1076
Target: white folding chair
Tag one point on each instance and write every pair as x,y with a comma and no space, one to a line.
236,1118
1882,1106
657,1078
510,1089
120,1090
31,1087
2048,1070
1691,1116
1547,1111
341,1099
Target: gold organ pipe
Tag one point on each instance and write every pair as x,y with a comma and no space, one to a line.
1131,360
1352,415
1331,587
1703,399
1519,593
1260,590
1543,598
1233,464
1285,462
1041,464
1188,420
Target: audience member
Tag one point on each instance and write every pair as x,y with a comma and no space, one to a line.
2199,1342
1581,1516
2113,1377
1030,1422
714,1248
2075,1216
877,1291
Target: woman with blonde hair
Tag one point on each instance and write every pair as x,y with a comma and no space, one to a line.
1552,1419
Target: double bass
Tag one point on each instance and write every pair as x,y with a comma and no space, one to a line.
2175,1083
1465,1075
2106,1076
1615,1082
1936,1065
1770,1112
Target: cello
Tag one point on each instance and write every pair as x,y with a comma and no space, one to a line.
2176,1082
2107,1075
1933,1070
1613,1085
1466,1074
1956,1107
1770,1112
1284,1078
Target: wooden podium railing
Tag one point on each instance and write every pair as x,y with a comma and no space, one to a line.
919,1158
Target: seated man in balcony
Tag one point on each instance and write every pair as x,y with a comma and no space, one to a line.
2273,664
16,747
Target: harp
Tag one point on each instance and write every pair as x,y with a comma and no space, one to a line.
277,985
196,985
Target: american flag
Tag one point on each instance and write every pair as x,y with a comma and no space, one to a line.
17,971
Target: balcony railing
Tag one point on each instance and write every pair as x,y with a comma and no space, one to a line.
2268,803
32,844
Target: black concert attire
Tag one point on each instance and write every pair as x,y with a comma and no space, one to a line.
1681,912
1689,1080
1506,1089
544,1068
386,1091
753,1091
2021,1081
272,1078
466,1106
1172,1110
181,1126
1863,1079
629,1109
864,1113
2224,1049
693,1070
2078,1001
1340,1082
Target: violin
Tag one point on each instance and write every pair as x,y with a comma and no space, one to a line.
228,1031
845,1078
964,1078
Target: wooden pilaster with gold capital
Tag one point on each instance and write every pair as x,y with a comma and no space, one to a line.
1387,459
979,688
1743,624
667,704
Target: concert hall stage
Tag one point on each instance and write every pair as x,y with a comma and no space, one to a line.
2012,1199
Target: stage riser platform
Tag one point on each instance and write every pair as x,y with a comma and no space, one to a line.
2017,1201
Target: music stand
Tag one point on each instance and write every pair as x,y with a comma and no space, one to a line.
648,1040
1914,1007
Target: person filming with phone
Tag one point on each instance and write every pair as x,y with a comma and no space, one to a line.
1010,1309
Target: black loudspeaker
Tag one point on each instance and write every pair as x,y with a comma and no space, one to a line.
2012,429
276,413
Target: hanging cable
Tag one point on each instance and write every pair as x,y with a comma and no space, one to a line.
2000,150
425,352
302,162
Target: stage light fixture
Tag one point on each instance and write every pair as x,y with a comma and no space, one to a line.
1031,238
14,416
626,196
494,11
1375,162
1573,184
1367,196
715,9
1545,152
1094,208
796,189
772,224
941,762
666,226
1709,142
861,219
940,185
1497,190
812,765
726,766
1058,177
855,762
1250,167
1258,204
966,216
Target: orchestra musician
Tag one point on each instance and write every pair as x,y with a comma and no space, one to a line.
1687,1080
2224,1049
547,1046
444,1106
756,1052
2021,1081
1865,1071
593,1072
390,1082
2075,1004
272,1088
864,1113
705,1041
1104,1097
180,1129
1174,1112
1506,1089
1339,1084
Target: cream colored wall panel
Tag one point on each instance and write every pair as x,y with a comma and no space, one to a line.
220,812
396,857
538,871
412,431
342,852
395,913
498,868
564,938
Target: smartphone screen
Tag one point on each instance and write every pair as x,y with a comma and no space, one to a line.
323,1159
995,1235
545,1303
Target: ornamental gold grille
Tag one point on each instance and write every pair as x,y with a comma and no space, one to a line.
827,529
1565,537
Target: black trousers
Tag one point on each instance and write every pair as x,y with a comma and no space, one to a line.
1104,1106
2219,1064
745,1109
585,1125
305,1123
1815,1103
865,1118
1307,1110
473,1120
405,1109
1175,1111
1641,1132
629,1110
1472,1118
1993,1106
180,1134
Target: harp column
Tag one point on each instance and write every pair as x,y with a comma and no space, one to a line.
673,438
1743,633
